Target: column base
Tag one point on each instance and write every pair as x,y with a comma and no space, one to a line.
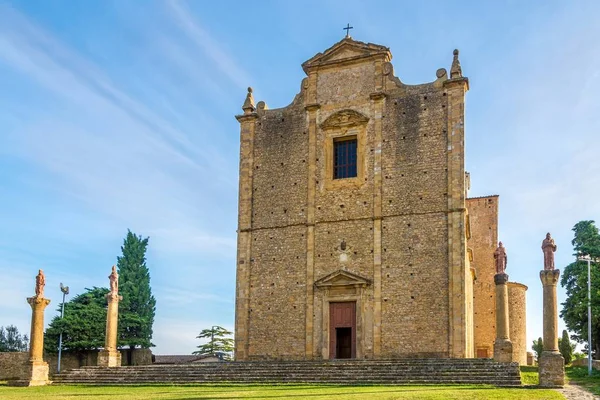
503,350
109,358
36,374
552,369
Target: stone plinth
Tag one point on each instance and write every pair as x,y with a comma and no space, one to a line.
503,349
36,373
552,364
36,370
110,356
552,369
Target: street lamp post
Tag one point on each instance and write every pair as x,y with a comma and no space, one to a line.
65,292
589,296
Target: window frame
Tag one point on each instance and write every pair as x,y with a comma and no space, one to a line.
338,141
340,134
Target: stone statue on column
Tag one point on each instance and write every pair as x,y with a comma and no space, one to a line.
114,281
36,369
40,282
110,356
503,349
551,362
500,258
548,247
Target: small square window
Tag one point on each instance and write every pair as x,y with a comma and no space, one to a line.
344,158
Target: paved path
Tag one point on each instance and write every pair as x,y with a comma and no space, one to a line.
574,392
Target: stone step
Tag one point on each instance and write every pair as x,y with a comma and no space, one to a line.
427,371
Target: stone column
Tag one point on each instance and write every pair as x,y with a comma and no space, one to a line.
37,368
551,363
503,351
110,355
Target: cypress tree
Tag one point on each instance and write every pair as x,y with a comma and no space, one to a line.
136,310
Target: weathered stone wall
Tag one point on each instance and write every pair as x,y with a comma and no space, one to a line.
12,365
483,220
277,287
399,226
518,322
415,240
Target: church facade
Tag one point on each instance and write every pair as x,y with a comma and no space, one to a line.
356,238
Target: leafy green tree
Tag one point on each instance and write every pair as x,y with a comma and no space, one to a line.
566,348
538,347
218,341
83,325
136,310
586,242
11,340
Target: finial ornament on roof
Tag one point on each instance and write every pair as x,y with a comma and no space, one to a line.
248,106
347,29
455,71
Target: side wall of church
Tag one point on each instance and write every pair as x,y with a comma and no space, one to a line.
483,219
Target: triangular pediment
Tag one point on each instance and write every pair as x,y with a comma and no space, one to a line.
342,277
347,50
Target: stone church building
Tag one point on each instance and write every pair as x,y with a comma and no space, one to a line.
356,237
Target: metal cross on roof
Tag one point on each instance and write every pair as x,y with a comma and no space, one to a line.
347,29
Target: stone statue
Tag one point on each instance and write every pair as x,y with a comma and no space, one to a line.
114,281
548,247
40,282
500,259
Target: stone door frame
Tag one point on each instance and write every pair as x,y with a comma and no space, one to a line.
338,287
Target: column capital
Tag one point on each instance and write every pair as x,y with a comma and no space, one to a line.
500,279
549,277
38,303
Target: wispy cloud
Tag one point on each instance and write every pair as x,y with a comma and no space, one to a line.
204,40
111,160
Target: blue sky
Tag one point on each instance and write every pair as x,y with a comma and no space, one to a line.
117,115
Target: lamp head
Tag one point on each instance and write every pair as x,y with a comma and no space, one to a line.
64,289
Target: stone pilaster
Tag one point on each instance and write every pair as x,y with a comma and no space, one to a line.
312,111
244,244
110,356
458,297
503,349
36,369
551,363
377,106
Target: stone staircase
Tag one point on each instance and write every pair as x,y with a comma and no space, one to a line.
347,372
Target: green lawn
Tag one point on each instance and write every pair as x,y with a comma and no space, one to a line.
288,392
575,375
529,375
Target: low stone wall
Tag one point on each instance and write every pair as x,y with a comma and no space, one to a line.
12,365
583,362
138,357
70,360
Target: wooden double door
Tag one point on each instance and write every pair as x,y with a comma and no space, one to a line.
342,330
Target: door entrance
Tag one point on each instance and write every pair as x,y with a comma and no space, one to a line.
343,338
342,330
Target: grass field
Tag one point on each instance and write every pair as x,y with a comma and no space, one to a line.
529,376
314,392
